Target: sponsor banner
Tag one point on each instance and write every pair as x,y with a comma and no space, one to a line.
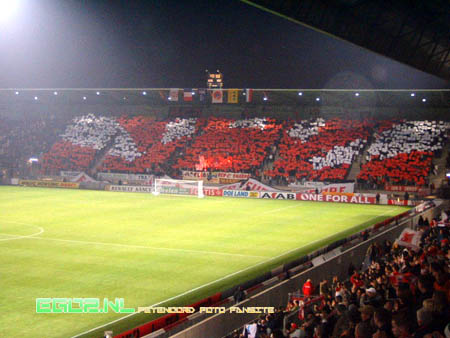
208,191
49,184
250,185
215,176
14,181
356,198
240,193
130,178
130,188
409,238
401,202
278,195
69,173
405,188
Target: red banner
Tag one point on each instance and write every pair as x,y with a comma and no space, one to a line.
406,188
356,198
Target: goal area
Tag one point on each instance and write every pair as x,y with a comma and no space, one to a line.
178,187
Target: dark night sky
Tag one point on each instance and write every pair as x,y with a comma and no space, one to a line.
169,43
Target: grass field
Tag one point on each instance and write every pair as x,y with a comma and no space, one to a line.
147,250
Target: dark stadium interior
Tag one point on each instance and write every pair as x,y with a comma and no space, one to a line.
343,101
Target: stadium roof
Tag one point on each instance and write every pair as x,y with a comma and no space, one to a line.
287,97
414,32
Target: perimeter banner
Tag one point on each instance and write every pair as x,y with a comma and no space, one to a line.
49,184
216,177
130,188
129,178
356,198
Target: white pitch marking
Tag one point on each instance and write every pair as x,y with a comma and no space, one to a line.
214,281
41,230
147,247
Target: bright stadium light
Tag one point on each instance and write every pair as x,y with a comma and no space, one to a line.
55,93
424,100
300,93
98,93
413,94
84,98
7,9
35,98
356,94
317,99
265,98
193,93
144,93
17,93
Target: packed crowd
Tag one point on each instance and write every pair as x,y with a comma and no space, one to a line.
316,150
156,142
401,293
28,137
230,145
403,153
319,150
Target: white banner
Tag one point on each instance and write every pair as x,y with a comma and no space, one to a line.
409,238
70,173
82,177
130,178
251,184
309,187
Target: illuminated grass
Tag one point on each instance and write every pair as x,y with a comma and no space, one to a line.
147,249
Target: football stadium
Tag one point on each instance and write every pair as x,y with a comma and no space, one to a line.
204,209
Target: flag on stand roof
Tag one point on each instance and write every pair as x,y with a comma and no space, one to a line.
173,95
187,95
248,95
217,96
233,95
202,94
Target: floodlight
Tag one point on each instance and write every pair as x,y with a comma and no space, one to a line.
55,93
413,94
265,98
424,100
124,98
317,99
300,93
243,93
17,93
8,8
144,93
35,98
98,93
356,94
84,97
193,93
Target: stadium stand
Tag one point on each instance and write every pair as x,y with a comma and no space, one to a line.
320,150
27,137
154,143
398,292
403,153
80,143
231,145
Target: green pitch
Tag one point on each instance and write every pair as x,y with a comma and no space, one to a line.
148,250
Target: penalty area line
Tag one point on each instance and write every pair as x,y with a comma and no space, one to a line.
148,247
